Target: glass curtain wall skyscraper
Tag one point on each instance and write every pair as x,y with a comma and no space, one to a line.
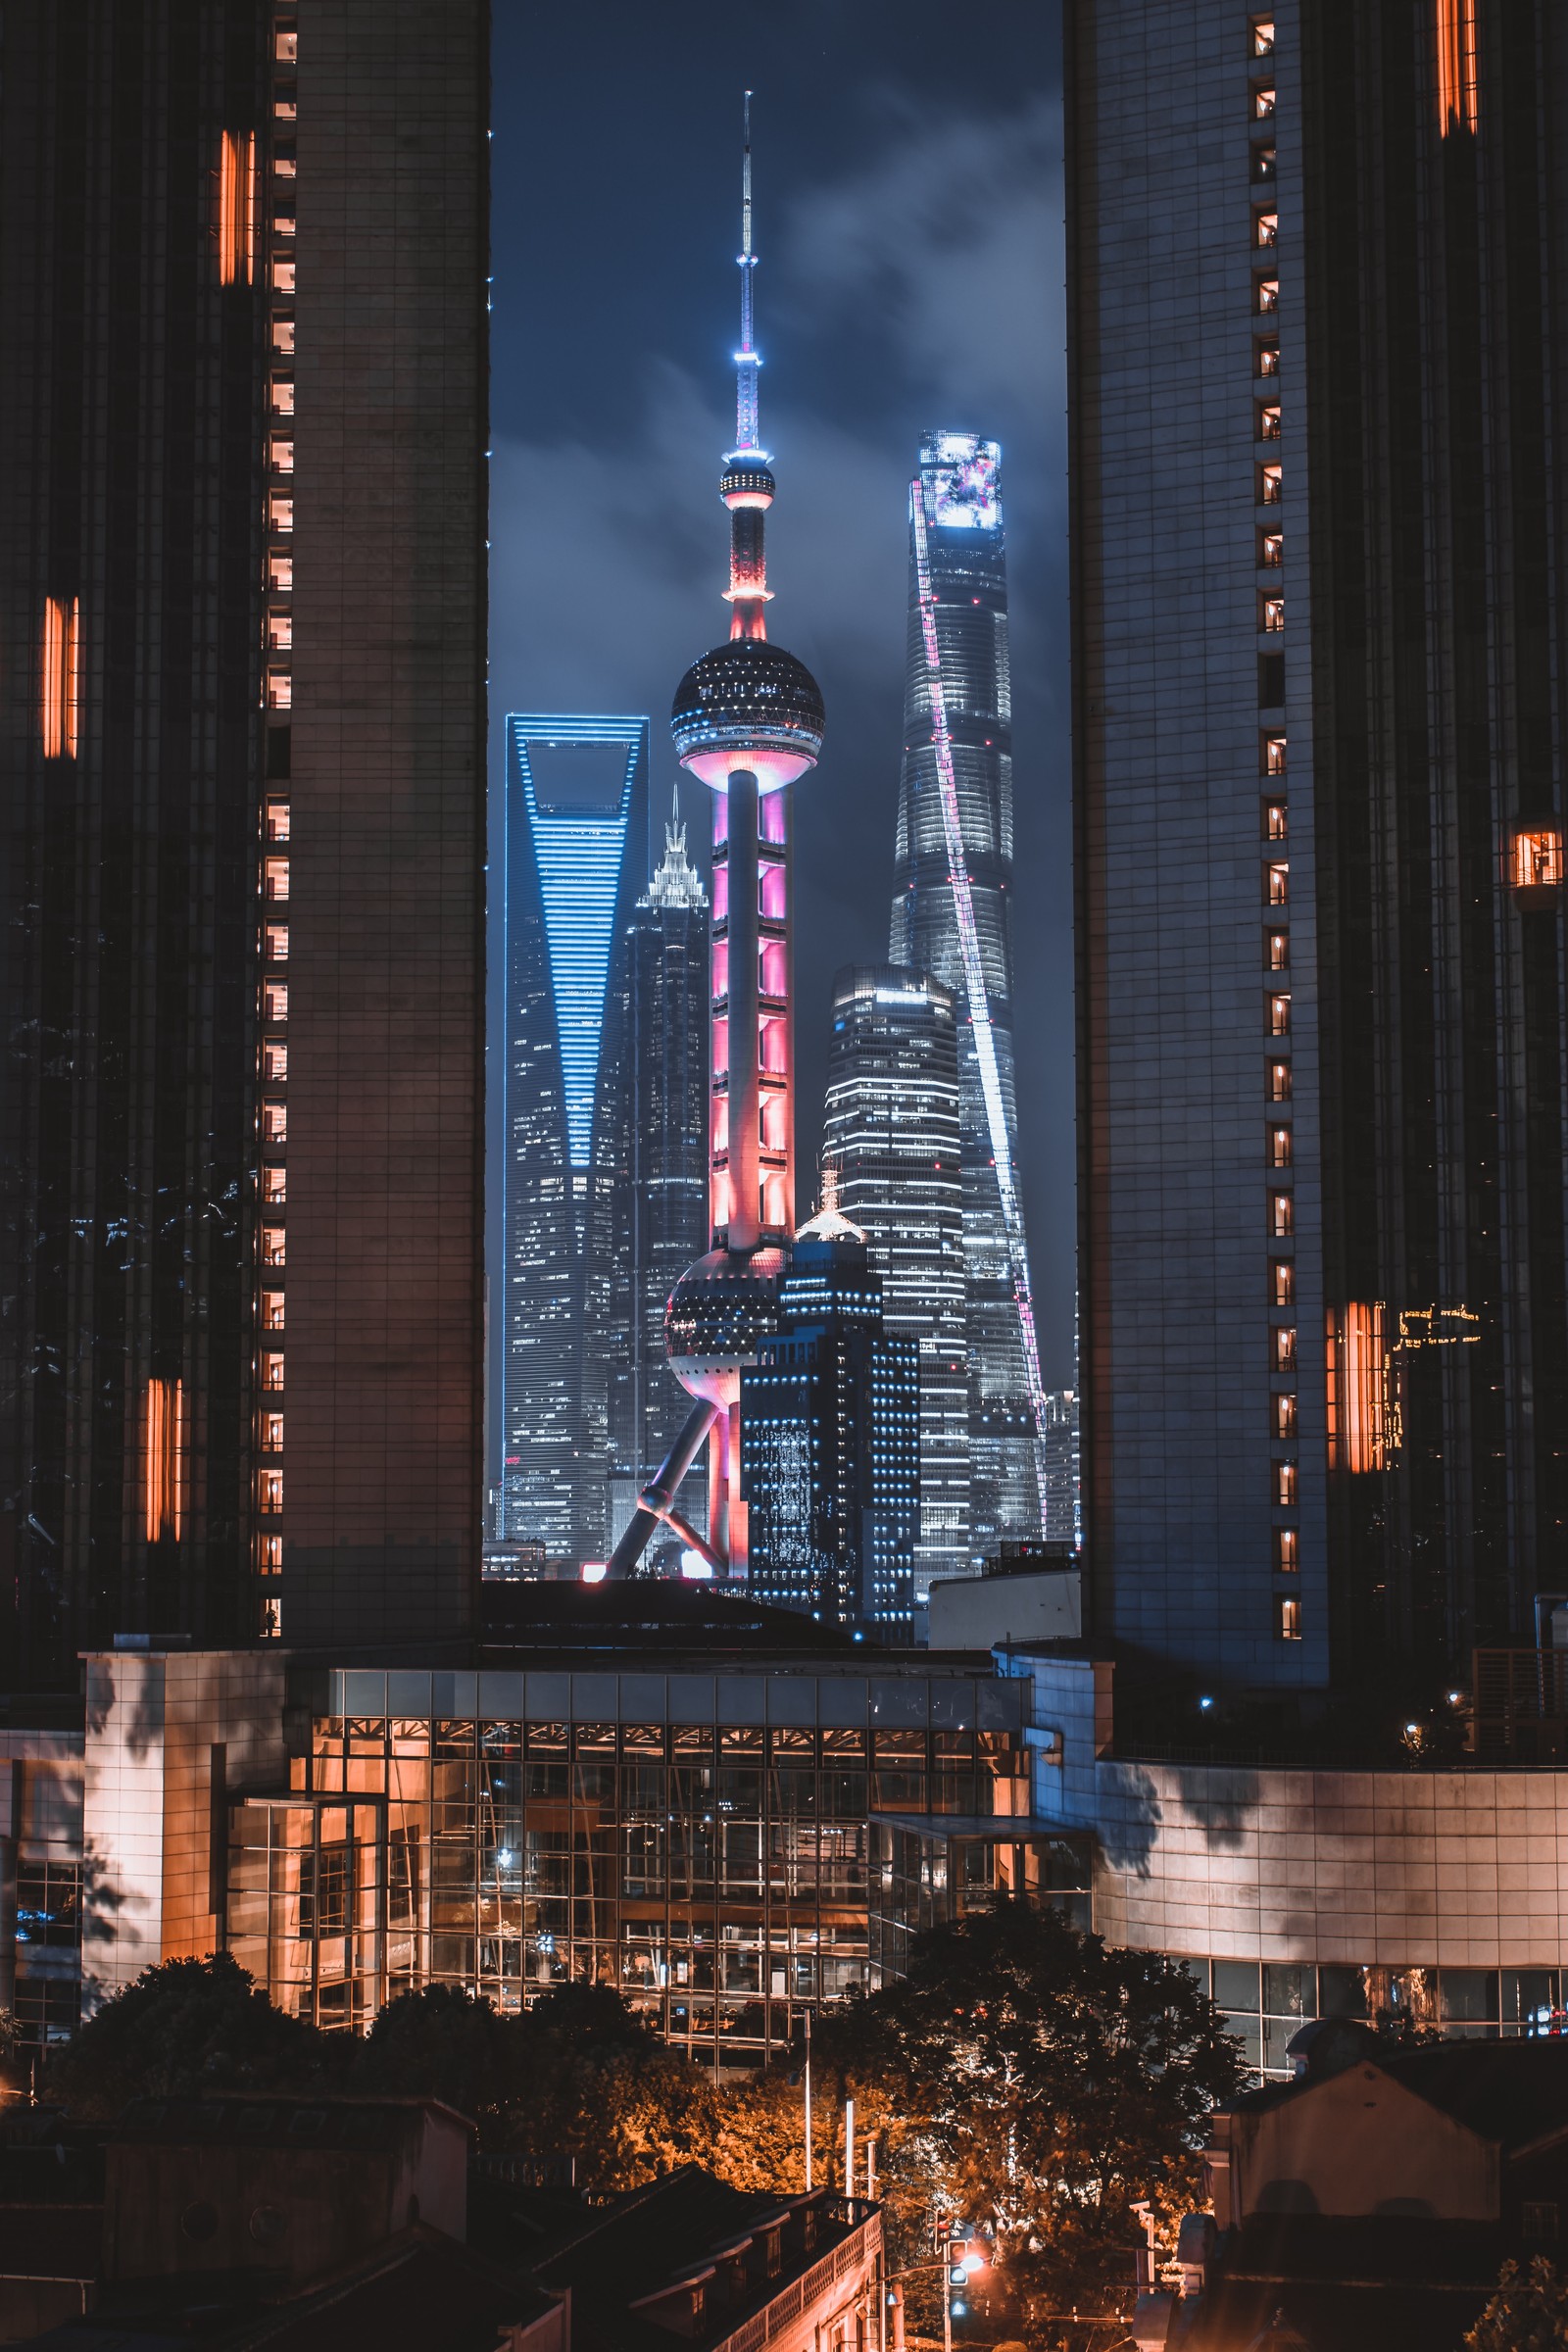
1320,636
575,861
960,486
665,1212
891,1146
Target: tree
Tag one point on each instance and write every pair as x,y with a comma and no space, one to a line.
1529,2313
185,2028
1028,2078
442,2042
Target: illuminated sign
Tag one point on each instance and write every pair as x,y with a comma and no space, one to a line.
963,488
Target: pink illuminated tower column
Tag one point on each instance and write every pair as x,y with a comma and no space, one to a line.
748,721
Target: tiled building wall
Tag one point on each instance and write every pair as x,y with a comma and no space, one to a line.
382,1472
1180,1418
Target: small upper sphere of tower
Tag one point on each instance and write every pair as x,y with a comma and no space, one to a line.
746,482
748,703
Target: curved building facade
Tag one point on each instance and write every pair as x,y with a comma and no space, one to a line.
959,481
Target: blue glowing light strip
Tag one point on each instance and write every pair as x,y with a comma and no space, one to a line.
579,857
974,981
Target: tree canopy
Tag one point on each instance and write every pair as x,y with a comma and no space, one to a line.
1529,2313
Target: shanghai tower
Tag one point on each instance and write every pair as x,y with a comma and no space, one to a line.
951,918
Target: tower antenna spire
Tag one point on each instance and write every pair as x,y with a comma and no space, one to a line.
746,361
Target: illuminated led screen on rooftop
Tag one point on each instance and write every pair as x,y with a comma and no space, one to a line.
963,491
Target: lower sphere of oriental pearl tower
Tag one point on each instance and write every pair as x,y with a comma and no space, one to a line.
748,721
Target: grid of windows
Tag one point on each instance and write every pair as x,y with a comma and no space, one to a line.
718,1877
1265,2004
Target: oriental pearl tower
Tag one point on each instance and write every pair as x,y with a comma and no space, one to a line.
747,720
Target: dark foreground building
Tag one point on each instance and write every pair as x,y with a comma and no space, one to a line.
1318,386
242,625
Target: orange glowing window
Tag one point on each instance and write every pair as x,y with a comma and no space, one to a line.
60,680
274,1186
1277,951
270,1555
282,396
1279,1081
1357,1388
278,813
1270,422
164,1459
1281,1215
275,1001
1285,1484
282,454
1282,1282
1262,29
282,278
1456,65
1538,859
1266,229
1277,884
275,943
1279,1016
271,1370
273,1245
283,336
280,513
272,1433
1287,1552
236,209
287,48
275,1123
1279,1148
1271,615
275,878
1263,105
1268,358
271,1310
279,689
274,1059
1268,294
269,1491
280,632
1287,1617
1276,821
1274,753
1284,1416
280,572
1283,1348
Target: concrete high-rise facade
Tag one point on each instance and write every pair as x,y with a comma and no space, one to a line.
956,803
242,595
891,1144
1319,361
575,858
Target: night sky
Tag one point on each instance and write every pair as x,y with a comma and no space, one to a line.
908,188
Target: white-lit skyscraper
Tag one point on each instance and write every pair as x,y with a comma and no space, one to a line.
575,860
890,1142
953,879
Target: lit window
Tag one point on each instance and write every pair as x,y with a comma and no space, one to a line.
1271,615
285,166
1265,232
279,689
272,1433
1263,105
1277,884
236,208
280,632
270,1555
1538,859
1274,748
282,396
1262,36
282,455
1284,1415
274,1122
1285,1484
1276,821
1456,66
284,277
1279,951
285,108
1279,1016
275,1001
1268,295
281,571
60,678
1287,1555
1264,163
1288,1618
274,1061
1279,1148
1279,1081
269,1489
271,1310
280,512
283,334
1357,1388
1268,358
1283,1347
276,939
277,820
274,1186
1270,489
274,878
1282,1282
271,1370
282,224
1268,427
273,1245
287,48
1282,1215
